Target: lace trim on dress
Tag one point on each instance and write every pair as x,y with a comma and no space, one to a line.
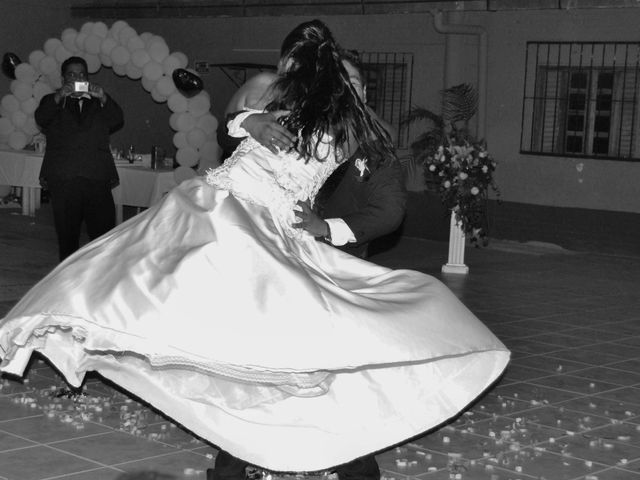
280,191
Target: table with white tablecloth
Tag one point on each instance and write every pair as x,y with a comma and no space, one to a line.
140,186
21,168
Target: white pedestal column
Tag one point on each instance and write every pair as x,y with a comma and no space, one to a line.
457,243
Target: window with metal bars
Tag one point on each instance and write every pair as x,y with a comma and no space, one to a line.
388,78
582,100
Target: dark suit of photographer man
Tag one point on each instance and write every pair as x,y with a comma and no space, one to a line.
78,168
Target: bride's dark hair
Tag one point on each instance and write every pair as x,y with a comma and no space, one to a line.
315,87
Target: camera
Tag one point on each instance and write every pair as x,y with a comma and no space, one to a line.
80,86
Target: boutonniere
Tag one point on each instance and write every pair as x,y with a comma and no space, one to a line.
363,170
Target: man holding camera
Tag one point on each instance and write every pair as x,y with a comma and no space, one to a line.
78,168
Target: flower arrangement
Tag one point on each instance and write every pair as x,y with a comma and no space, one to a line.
458,167
463,172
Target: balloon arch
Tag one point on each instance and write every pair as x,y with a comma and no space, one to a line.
142,56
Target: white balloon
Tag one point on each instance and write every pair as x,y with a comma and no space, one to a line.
26,73
105,60
29,106
108,44
158,49
87,28
186,121
119,70
165,86
40,89
180,140
93,44
184,61
93,62
182,173
210,155
80,38
135,43
126,34
187,156
30,127
49,65
21,90
120,55
147,84
200,104
69,39
55,80
157,97
177,103
133,72
196,137
173,123
18,140
152,70
18,118
146,37
6,126
100,29
114,31
35,57
10,103
140,57
209,124
61,54
171,63
51,45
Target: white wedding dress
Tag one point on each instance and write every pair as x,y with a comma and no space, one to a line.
280,349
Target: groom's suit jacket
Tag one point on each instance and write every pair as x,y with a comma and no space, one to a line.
372,204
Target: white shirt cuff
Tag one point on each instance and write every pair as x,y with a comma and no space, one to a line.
233,125
340,232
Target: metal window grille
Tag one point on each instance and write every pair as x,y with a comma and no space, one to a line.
388,77
581,99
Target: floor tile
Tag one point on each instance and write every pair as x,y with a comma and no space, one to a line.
41,462
113,448
566,408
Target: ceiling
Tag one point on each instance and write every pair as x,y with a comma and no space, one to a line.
254,8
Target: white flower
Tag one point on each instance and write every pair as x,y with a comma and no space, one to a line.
463,175
485,169
432,168
361,165
446,184
475,191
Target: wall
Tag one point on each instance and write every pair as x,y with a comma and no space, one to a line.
523,179
25,25
551,181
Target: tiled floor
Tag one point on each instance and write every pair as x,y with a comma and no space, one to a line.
567,407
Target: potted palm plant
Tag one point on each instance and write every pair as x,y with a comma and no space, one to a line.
456,166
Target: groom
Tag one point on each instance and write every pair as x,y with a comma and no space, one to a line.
359,202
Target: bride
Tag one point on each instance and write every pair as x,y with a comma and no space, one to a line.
213,308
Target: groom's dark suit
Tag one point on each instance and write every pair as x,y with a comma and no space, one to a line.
372,204
78,168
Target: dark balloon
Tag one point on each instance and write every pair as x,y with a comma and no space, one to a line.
9,63
187,82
